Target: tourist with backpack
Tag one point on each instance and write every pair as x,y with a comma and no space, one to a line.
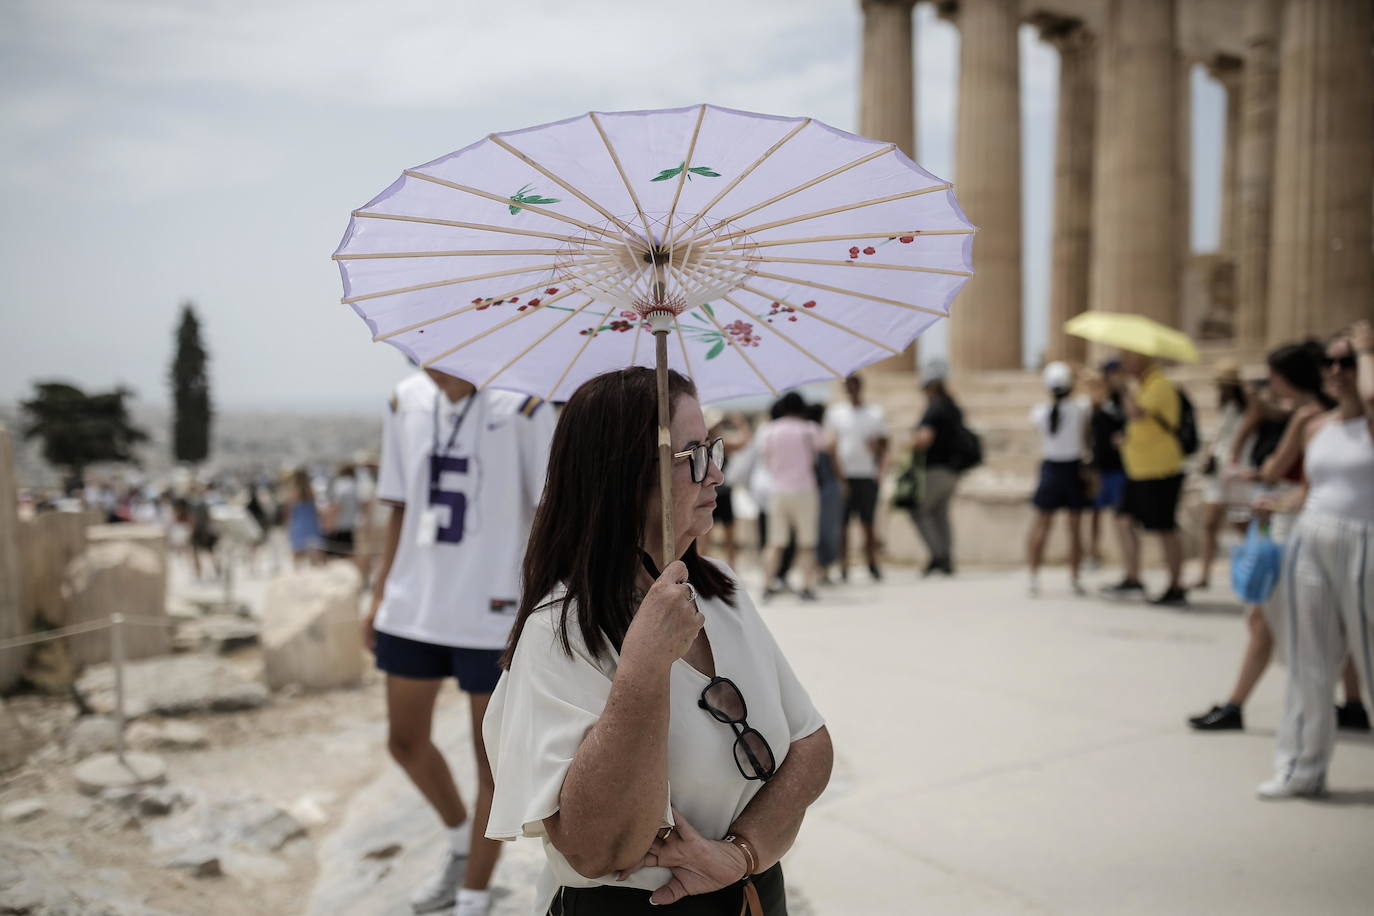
1160,432
949,448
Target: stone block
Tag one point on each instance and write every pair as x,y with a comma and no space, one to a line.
48,542
124,576
12,622
102,772
310,634
174,686
91,735
19,740
23,810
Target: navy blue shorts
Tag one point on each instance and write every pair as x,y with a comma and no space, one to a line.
1110,486
1061,486
476,670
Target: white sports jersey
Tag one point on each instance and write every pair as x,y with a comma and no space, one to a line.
460,587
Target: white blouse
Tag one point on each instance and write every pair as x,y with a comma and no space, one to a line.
545,704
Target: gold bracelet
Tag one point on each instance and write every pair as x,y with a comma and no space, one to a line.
751,861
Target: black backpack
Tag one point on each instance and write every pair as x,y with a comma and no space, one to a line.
1186,431
966,451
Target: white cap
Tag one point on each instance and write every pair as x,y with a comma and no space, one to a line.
1058,376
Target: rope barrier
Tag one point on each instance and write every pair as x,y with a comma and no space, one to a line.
90,626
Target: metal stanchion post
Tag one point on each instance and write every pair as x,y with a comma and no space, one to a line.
117,656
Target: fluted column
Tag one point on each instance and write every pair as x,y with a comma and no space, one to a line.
1229,72
1073,182
985,320
1136,196
1255,181
887,96
1322,274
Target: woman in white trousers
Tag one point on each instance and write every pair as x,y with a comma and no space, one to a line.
1328,576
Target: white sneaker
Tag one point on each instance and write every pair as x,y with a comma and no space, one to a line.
1279,789
472,903
440,892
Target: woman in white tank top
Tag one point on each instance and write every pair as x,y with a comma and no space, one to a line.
1063,426
1328,577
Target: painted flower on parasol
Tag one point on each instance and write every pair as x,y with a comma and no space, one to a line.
775,252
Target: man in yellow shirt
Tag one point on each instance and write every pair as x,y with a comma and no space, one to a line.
1153,459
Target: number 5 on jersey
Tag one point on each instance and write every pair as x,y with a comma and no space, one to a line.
442,521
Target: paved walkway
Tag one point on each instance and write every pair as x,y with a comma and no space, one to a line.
995,754
998,754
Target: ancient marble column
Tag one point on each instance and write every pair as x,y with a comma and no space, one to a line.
887,100
12,660
1136,194
1255,181
985,319
1073,181
1322,269
1229,71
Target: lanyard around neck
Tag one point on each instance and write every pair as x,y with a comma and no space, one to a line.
457,425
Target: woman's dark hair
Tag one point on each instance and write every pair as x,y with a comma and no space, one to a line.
935,388
589,526
790,404
1300,365
815,413
1059,395
1233,393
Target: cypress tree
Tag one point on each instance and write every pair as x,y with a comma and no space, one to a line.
191,413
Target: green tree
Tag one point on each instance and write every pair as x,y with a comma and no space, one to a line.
191,413
80,429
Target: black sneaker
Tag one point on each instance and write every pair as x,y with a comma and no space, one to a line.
809,596
1174,597
1126,588
1222,718
1352,717
875,572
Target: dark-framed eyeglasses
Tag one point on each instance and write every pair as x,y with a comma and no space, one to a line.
697,456
1342,362
722,699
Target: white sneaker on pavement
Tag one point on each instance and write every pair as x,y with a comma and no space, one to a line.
441,890
1280,788
472,903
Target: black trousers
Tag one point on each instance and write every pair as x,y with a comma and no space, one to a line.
606,900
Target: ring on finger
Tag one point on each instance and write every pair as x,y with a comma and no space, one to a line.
691,593
667,832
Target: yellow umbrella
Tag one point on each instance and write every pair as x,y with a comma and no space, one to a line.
1135,333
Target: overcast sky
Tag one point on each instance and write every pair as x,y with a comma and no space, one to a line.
153,151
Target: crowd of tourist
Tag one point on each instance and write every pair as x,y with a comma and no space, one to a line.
440,523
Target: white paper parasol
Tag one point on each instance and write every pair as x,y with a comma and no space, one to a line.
777,251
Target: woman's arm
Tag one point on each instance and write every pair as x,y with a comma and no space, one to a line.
769,823
616,789
1362,342
1248,424
768,826
1290,447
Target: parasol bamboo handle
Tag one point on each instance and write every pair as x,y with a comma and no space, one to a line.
665,448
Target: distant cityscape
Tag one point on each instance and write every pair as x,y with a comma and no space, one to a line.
256,441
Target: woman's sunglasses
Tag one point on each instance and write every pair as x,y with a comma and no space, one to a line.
1343,362
722,699
697,456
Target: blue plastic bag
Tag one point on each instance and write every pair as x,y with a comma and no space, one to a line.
1255,565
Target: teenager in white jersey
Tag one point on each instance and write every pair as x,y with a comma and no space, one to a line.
462,471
